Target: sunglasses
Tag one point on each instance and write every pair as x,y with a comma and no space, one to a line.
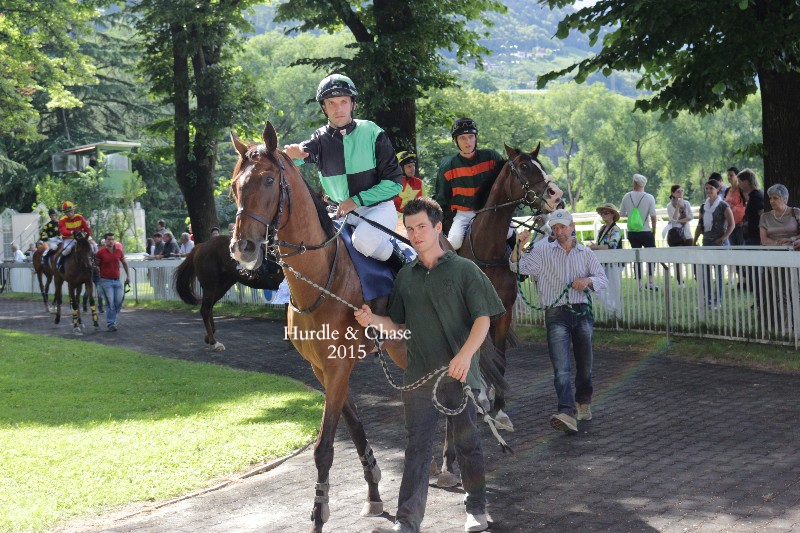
465,123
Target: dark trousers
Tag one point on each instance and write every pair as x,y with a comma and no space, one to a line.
422,418
642,239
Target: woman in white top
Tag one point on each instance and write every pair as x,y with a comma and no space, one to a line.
716,225
678,232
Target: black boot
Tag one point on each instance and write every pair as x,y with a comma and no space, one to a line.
396,261
60,264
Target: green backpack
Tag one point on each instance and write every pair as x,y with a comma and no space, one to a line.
635,221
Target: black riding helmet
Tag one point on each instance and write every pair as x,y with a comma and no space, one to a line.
336,85
461,126
52,211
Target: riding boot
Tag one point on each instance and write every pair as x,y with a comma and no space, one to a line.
396,261
60,264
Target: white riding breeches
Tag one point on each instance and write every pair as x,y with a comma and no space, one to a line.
369,240
461,223
68,245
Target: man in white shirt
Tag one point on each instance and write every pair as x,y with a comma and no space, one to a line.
640,237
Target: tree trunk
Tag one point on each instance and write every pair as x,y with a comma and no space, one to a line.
400,124
780,126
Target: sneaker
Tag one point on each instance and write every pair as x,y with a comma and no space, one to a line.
564,422
501,421
112,327
447,480
584,411
476,522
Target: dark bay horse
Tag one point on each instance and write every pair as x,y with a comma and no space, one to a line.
77,274
210,263
44,269
521,181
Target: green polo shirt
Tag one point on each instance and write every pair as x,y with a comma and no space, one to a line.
438,307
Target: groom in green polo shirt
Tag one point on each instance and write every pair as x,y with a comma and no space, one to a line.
445,303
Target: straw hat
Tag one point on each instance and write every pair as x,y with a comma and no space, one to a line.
609,207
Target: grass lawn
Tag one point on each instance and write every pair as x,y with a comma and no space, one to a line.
85,428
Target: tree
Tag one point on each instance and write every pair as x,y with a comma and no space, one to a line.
188,59
40,56
397,50
700,57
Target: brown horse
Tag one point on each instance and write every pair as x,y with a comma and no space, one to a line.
44,270
276,207
211,264
521,181
77,274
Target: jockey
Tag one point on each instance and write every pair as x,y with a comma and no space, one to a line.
461,175
357,166
67,226
412,185
50,234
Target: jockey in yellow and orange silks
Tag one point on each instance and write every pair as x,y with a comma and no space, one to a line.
68,225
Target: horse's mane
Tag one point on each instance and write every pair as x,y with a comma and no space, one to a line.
83,251
483,192
322,213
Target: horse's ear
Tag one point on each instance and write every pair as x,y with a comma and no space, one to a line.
535,152
512,152
270,137
238,144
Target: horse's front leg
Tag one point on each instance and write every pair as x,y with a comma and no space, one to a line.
336,391
75,301
95,319
373,506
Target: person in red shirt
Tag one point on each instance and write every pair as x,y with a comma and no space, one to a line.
67,226
108,259
412,185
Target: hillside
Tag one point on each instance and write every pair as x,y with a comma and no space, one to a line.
522,45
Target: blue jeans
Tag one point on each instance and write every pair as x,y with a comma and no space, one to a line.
563,326
713,298
421,421
113,293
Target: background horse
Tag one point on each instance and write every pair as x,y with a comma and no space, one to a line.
44,270
521,181
274,203
210,263
77,274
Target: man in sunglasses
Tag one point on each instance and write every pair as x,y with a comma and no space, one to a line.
357,167
108,259
461,175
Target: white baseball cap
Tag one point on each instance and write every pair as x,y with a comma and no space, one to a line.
560,216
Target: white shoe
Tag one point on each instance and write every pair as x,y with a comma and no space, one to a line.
501,421
476,522
584,411
564,422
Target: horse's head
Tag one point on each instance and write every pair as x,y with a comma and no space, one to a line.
260,191
530,182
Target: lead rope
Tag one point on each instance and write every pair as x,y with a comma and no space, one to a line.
441,372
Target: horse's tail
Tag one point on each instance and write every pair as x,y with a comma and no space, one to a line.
185,277
490,371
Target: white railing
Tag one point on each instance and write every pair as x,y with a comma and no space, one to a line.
753,293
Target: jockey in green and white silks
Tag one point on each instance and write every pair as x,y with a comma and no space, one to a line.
357,166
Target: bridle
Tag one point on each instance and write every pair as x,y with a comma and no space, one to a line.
529,198
273,244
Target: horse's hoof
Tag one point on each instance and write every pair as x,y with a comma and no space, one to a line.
372,509
218,346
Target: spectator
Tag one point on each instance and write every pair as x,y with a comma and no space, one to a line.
716,225
215,232
679,233
412,185
565,263
231,227
108,259
754,207
461,175
29,253
169,248
640,207
19,257
190,232
466,302
157,246
186,245
735,198
782,224
161,226
610,238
